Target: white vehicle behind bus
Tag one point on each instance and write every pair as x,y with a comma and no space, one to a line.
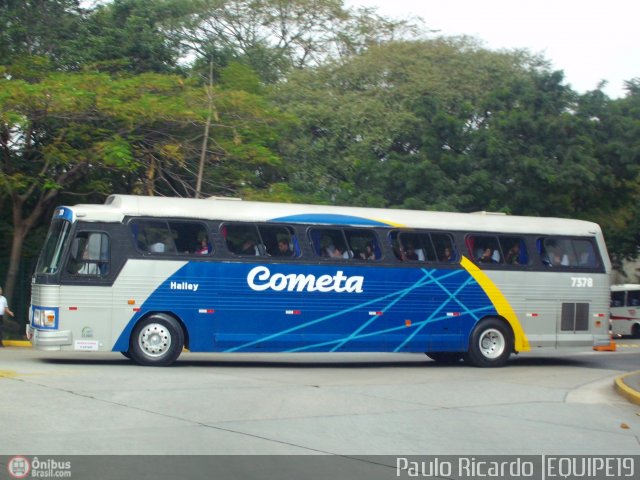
625,310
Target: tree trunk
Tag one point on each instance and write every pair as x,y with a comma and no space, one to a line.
20,231
205,139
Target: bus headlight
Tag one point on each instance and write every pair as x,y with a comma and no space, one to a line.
49,318
44,317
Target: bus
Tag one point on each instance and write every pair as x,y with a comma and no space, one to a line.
152,276
625,310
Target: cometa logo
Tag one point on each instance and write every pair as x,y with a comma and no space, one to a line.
260,279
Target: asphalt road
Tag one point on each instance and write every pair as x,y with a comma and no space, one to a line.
306,404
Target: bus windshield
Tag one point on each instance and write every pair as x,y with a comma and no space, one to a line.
51,255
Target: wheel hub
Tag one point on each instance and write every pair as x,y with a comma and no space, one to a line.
492,343
154,339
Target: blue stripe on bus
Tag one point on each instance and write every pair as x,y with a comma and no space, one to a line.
398,309
330,219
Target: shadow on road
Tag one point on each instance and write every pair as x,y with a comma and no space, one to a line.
317,361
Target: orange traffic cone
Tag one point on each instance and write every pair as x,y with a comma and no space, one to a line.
607,348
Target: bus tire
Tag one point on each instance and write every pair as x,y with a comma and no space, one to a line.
447,358
635,330
156,340
491,344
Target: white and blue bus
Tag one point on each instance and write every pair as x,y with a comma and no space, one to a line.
149,276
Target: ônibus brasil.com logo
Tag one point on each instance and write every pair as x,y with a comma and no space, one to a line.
19,467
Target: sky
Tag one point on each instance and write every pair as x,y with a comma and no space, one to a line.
590,40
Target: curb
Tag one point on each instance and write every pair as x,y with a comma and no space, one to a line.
16,343
625,390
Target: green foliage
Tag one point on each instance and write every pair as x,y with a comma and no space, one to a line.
445,124
132,36
240,77
36,28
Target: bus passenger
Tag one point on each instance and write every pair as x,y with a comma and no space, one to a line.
368,253
513,256
248,248
203,248
486,256
283,249
410,253
447,255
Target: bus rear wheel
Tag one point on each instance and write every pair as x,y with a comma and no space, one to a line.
490,345
156,341
635,331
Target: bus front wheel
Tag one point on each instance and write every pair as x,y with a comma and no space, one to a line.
156,341
490,345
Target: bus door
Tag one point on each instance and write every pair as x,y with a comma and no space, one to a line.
85,293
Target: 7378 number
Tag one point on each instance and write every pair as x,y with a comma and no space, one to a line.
582,282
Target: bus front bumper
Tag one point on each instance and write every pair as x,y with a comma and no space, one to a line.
49,339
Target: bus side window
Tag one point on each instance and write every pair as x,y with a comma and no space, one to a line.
416,247
243,239
617,299
584,253
89,254
485,249
279,241
190,237
329,242
514,250
567,252
445,249
363,244
633,298
554,252
153,236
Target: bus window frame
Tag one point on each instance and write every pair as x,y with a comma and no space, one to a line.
262,247
438,260
101,279
78,260
168,222
540,251
500,238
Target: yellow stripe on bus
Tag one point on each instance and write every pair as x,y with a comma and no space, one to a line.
499,302
387,222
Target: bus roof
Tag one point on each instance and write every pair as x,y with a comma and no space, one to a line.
117,207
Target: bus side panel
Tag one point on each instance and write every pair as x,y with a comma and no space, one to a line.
229,306
86,311
539,301
136,282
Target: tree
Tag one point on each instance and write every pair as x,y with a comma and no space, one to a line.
44,28
132,36
65,131
397,125
275,36
615,200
